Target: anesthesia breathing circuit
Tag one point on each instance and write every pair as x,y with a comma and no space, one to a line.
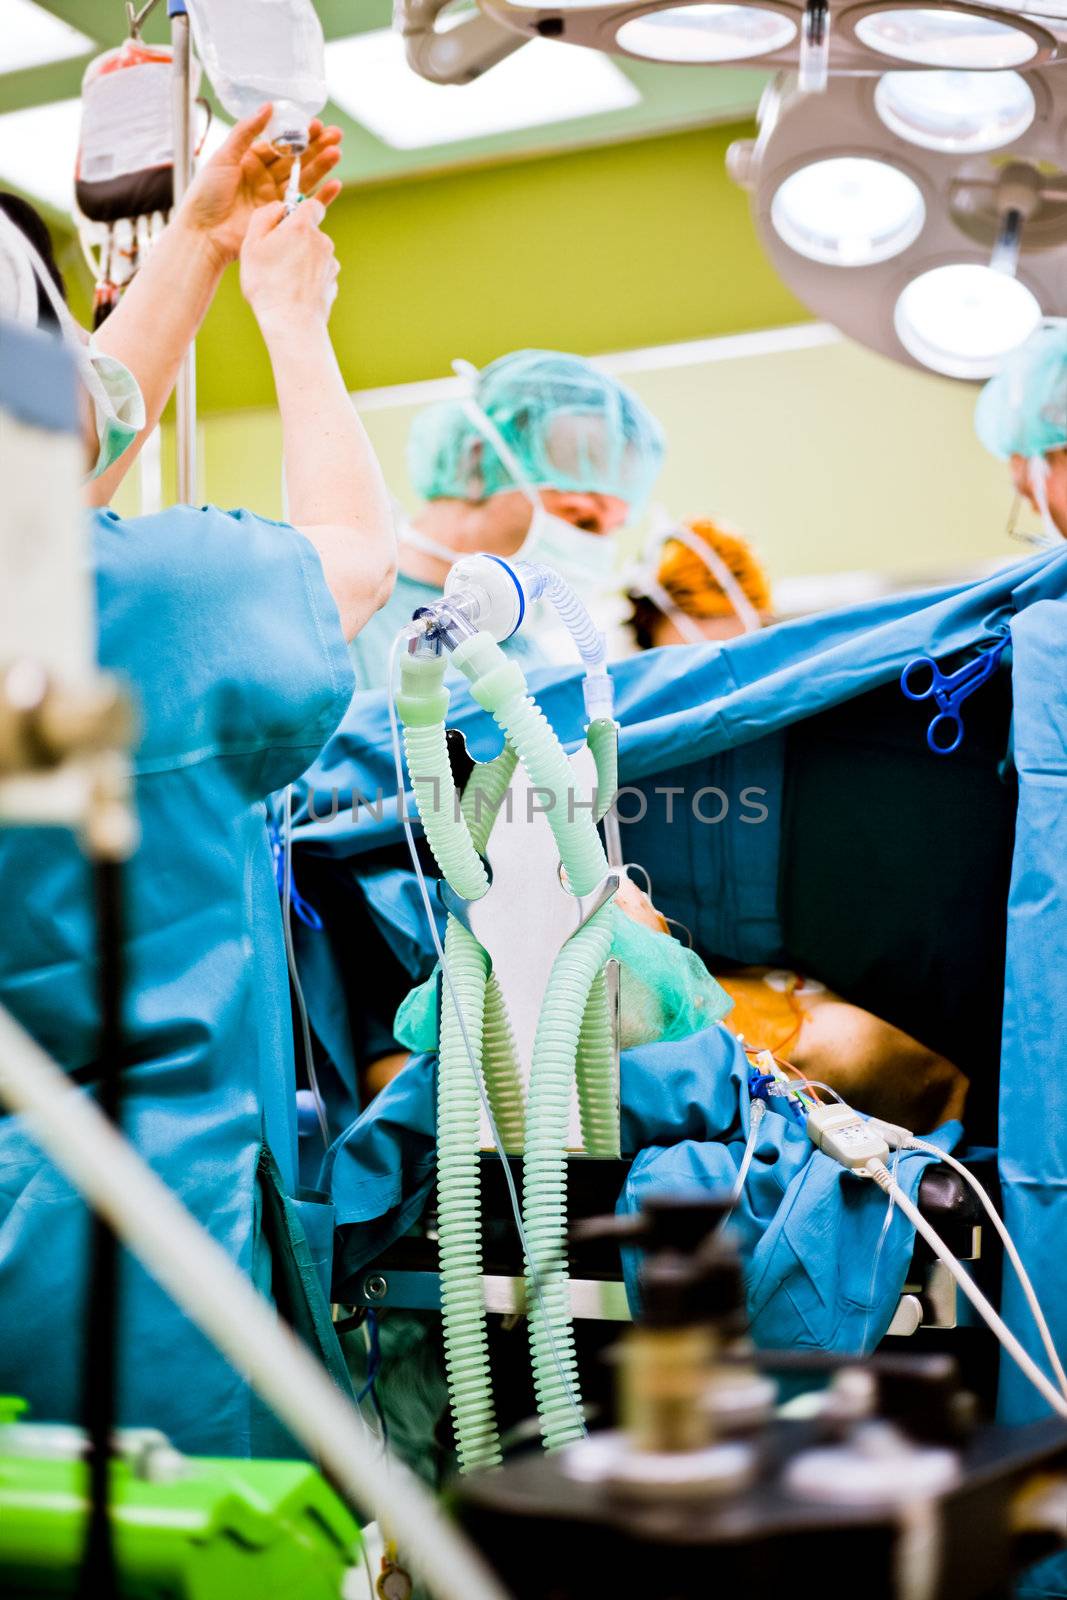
485,601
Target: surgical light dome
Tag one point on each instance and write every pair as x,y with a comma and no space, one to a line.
848,211
706,33
945,38
1042,10
964,113
962,320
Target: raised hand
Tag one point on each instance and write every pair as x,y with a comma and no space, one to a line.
246,174
288,267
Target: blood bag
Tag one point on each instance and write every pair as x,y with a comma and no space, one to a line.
126,154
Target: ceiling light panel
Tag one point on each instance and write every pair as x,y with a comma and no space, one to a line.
39,149
370,79
32,37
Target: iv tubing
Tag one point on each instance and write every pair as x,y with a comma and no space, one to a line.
294,969
182,112
756,1113
1010,1251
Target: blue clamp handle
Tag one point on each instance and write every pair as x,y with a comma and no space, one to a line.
949,691
177,8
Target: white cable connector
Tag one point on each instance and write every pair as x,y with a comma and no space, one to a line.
896,1137
846,1137
877,1170
899,1138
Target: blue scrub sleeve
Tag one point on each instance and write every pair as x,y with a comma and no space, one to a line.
245,633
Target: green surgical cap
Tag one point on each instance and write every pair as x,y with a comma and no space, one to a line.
1023,410
568,425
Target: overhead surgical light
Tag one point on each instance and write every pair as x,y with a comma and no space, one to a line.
848,211
945,38
818,39
707,33
1043,10
961,112
963,319
951,207
813,67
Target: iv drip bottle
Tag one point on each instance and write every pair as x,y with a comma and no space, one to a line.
258,50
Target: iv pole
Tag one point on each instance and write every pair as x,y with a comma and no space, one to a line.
183,161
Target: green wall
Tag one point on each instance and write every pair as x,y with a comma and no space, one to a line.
595,250
830,458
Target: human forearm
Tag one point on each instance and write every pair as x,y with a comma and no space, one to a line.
165,304
336,492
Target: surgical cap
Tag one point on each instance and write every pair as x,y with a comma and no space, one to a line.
695,589
568,426
1023,410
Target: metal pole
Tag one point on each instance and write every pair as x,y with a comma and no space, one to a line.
183,165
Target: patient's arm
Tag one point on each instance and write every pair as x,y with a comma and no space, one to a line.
638,907
876,1067
871,1064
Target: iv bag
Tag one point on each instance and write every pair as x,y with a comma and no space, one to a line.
126,151
258,50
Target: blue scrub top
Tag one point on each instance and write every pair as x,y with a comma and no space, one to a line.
223,625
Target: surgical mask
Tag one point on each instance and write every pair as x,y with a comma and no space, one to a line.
415,539
586,561
118,404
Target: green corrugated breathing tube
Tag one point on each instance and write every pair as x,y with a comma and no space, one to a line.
574,1034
